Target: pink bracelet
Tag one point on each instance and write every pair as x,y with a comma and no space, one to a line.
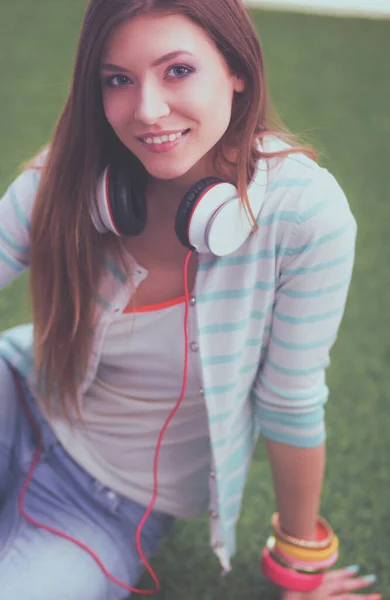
297,564
286,578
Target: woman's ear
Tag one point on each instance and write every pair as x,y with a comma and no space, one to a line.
239,84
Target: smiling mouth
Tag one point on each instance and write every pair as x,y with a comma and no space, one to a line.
164,139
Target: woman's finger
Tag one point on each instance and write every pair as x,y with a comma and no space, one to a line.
342,573
342,584
358,597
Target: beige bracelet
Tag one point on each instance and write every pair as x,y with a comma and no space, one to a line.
322,526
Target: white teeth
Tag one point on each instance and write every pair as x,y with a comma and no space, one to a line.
163,139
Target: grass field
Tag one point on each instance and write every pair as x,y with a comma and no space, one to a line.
330,80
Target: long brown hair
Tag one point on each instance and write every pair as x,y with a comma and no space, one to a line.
66,250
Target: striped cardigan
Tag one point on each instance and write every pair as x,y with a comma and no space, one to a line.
265,320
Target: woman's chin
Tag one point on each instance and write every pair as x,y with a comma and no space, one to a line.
165,173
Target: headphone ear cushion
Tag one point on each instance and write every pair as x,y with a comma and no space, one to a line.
187,205
127,201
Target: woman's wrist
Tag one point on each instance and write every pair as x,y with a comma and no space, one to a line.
298,476
307,533
318,535
297,564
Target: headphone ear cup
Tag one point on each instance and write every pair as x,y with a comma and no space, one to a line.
127,201
187,206
120,205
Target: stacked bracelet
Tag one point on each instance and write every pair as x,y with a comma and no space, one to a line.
324,535
307,554
300,565
288,578
296,564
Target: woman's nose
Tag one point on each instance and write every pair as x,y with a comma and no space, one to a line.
151,105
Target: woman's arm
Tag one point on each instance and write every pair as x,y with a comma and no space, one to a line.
297,474
315,270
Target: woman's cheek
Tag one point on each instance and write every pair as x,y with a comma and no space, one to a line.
117,111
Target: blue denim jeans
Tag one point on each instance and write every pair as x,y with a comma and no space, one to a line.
39,565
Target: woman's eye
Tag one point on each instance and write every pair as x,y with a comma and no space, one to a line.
179,71
117,81
176,71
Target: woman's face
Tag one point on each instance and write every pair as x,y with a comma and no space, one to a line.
167,93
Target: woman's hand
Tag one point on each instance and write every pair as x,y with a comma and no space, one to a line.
340,584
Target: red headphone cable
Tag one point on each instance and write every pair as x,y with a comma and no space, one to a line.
155,467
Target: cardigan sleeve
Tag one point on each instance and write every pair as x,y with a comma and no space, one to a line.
15,218
313,282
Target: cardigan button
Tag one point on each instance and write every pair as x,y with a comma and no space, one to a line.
214,514
192,300
194,347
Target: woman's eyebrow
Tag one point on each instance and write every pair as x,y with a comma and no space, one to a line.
155,63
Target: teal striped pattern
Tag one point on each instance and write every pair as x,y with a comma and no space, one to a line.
22,217
279,303
9,263
265,318
7,240
309,319
15,216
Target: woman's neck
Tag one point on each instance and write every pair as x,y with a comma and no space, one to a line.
168,193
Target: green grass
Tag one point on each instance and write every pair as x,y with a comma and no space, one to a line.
329,79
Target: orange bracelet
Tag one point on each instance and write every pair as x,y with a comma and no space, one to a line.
324,535
308,554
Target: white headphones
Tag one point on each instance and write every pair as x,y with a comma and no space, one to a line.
210,218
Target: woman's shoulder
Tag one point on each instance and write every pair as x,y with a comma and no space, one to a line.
288,164
16,207
22,190
31,170
297,183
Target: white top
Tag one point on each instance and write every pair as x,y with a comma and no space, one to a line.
138,383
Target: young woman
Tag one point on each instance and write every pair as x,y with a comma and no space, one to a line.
189,272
